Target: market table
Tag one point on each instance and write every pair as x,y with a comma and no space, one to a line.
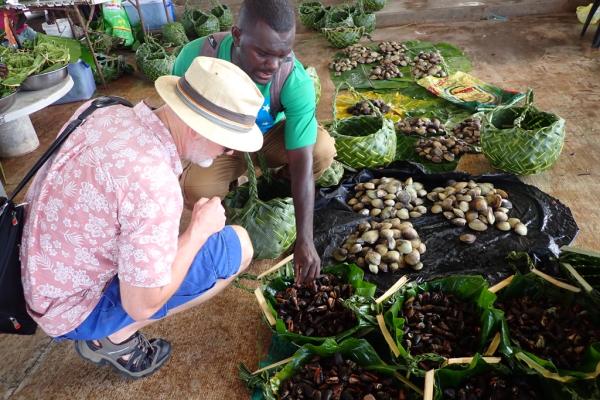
17,134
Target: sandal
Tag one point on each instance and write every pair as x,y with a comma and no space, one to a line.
146,356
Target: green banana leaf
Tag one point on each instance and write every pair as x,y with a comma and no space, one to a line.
360,303
358,350
358,78
465,287
534,286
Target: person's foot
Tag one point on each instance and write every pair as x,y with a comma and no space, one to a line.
136,357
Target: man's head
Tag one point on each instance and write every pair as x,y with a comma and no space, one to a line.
211,109
193,147
263,37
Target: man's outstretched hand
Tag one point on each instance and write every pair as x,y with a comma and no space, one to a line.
307,263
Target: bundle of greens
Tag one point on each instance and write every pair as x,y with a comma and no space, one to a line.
44,57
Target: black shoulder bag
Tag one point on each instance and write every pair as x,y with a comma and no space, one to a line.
13,313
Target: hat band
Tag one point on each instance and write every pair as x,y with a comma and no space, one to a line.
211,111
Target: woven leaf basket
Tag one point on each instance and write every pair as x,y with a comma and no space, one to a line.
271,224
332,175
309,11
224,15
153,60
342,37
174,33
338,17
366,20
187,20
373,5
522,140
321,18
205,24
365,141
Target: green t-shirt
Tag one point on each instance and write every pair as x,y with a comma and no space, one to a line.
297,95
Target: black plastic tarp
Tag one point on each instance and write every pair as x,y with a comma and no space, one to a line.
550,226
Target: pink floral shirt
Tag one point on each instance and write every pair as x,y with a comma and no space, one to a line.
107,204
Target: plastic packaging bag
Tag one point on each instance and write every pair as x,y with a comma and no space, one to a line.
584,11
117,23
467,91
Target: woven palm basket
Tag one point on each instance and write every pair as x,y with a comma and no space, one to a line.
522,140
308,12
373,5
269,220
206,24
338,17
364,141
366,20
342,37
224,15
332,175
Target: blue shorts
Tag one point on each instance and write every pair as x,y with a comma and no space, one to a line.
219,258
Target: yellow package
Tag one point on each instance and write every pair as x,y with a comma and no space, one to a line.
583,12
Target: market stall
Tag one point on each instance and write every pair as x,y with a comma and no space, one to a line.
436,283
433,279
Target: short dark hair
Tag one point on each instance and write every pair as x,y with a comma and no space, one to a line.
278,14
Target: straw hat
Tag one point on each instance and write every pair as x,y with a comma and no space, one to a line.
218,101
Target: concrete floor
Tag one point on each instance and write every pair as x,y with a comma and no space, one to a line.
543,53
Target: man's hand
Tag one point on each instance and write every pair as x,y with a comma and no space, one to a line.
208,217
307,264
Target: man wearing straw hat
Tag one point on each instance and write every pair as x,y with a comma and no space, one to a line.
261,44
101,253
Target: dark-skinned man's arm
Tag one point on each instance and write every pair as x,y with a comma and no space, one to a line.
307,264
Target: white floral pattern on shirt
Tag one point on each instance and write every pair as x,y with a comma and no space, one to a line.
108,203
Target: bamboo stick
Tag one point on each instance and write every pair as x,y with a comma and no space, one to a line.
429,381
276,266
493,346
387,336
555,281
468,360
268,367
262,302
395,287
501,285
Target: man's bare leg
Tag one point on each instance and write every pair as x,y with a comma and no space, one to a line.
247,253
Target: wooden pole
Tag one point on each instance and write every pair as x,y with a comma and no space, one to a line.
85,27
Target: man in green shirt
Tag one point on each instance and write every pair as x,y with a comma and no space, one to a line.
261,45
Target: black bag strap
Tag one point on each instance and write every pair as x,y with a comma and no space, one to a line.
100,102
